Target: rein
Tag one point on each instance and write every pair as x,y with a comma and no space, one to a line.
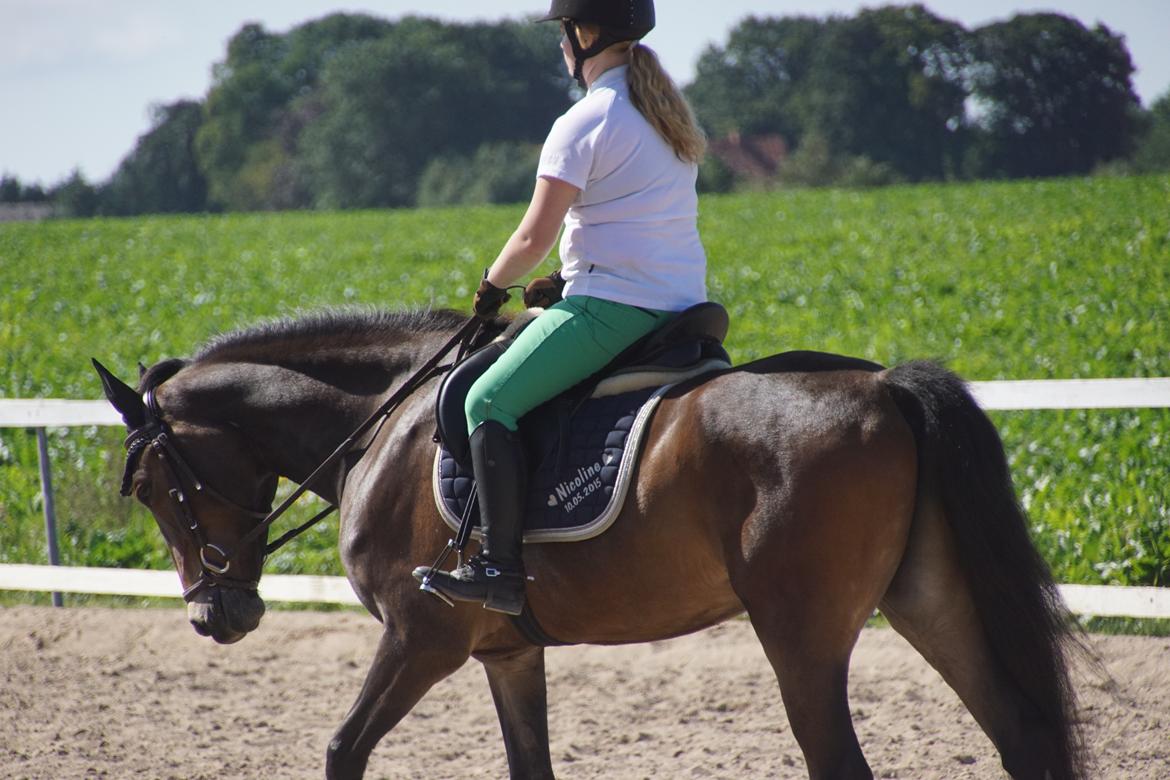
157,435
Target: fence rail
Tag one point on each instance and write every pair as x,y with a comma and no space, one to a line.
164,584
1100,600
1020,394
39,414
1005,395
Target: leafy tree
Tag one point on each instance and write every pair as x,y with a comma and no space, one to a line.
1055,97
161,175
496,173
310,46
1153,151
815,164
247,146
13,191
714,175
426,90
347,110
887,85
753,84
75,197
241,108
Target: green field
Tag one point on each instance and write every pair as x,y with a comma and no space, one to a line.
1024,280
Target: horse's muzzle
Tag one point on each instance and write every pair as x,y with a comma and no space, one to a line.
226,616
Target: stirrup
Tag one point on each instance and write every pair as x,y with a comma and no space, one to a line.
425,575
478,581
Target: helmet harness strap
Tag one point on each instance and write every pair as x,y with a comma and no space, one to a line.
581,53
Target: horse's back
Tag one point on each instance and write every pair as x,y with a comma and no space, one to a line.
793,405
806,433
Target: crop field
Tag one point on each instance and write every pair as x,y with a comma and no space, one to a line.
1021,280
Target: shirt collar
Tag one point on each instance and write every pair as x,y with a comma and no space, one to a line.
610,78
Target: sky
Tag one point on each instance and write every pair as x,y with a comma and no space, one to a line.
78,77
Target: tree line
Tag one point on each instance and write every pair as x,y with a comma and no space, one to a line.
354,111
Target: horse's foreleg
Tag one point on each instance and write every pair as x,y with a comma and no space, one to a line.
518,688
397,679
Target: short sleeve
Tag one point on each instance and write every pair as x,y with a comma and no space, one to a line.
570,147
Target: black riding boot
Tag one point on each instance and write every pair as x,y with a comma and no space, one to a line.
495,576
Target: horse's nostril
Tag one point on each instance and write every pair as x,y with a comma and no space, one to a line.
201,628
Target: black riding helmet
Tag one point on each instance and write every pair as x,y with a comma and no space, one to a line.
619,20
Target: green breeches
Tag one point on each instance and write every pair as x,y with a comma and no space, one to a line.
569,341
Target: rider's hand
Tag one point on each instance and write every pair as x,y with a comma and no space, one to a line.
489,299
544,291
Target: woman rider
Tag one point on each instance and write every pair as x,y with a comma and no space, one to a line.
618,170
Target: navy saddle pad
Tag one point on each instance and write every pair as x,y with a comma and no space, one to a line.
579,481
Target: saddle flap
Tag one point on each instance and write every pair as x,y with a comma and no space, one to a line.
580,477
451,420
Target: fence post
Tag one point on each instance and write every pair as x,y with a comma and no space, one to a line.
50,509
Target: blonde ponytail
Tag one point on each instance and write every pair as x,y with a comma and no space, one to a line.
656,96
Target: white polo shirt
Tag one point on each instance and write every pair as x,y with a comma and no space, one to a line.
631,235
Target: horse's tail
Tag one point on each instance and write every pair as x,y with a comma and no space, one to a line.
1024,619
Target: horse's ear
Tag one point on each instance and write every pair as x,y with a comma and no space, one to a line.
141,370
123,397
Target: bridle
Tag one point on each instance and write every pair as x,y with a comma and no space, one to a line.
216,562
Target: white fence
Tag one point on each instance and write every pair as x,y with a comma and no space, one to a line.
1000,395
1141,602
139,582
1102,600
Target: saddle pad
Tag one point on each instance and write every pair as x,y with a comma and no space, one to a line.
578,489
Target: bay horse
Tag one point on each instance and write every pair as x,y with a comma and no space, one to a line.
803,489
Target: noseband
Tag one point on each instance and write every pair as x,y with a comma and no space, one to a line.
215,562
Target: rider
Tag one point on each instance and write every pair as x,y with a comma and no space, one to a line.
618,170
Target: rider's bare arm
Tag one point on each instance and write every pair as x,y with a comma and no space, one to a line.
537,232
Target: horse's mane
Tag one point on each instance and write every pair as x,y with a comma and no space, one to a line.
346,326
159,373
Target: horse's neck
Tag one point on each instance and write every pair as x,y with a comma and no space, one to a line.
296,417
301,422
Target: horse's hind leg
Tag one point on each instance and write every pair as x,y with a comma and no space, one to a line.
813,568
517,681
807,611
813,675
930,604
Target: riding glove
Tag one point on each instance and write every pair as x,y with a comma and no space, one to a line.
544,291
489,299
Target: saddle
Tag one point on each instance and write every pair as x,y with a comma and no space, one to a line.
578,496
688,345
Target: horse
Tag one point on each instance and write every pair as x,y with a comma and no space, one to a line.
804,489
